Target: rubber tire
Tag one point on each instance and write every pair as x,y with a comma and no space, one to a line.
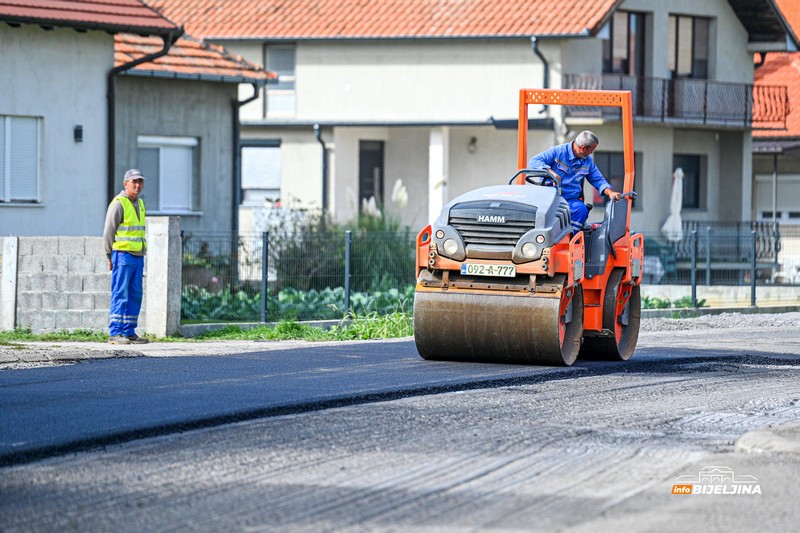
607,348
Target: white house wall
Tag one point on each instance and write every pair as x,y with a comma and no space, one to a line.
346,85
440,81
59,76
729,59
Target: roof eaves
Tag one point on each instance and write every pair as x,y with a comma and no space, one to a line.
85,25
603,20
195,76
789,30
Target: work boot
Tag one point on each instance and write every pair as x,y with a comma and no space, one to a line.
136,339
119,339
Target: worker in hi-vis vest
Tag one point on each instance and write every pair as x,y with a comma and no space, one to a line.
125,246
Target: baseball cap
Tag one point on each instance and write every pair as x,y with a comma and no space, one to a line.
133,174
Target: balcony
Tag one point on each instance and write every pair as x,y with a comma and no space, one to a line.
689,101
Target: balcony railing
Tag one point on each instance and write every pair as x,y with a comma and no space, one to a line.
689,100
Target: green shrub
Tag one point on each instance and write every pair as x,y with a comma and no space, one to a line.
653,302
199,304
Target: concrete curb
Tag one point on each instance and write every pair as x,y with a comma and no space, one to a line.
693,312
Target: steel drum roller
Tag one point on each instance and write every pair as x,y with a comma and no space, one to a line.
497,328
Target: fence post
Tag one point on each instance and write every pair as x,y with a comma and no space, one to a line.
348,245
708,256
694,268
264,273
753,269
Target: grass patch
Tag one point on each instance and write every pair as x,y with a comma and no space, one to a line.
79,335
286,330
374,326
357,326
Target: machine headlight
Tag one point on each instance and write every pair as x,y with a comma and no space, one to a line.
540,238
450,246
439,234
529,249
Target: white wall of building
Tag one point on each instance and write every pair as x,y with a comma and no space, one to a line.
59,76
437,85
441,81
729,59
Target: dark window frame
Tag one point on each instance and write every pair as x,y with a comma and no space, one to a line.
694,179
635,23
700,46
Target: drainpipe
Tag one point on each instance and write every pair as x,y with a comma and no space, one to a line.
545,66
237,157
111,85
318,134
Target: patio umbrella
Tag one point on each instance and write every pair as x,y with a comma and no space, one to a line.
673,228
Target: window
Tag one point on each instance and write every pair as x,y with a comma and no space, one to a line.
687,46
168,167
371,171
623,51
19,159
612,165
692,179
280,100
786,191
261,171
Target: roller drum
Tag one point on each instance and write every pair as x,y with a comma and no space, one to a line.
497,328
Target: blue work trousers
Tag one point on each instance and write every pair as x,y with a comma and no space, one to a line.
126,293
578,213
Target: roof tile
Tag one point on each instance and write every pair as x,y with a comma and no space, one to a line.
308,19
128,15
791,12
187,56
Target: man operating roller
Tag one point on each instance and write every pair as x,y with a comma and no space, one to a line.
572,162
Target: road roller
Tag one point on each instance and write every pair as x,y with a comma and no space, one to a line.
502,277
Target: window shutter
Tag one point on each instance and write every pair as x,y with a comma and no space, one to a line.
176,178
147,163
24,159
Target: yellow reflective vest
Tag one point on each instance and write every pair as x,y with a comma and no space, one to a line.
130,234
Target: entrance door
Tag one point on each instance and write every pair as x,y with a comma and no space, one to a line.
370,171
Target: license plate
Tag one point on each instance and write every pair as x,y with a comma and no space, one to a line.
483,269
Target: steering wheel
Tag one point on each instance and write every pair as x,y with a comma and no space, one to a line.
537,176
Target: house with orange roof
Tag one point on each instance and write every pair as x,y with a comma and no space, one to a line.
776,150
92,88
425,91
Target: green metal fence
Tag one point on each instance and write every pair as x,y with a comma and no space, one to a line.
322,274
312,276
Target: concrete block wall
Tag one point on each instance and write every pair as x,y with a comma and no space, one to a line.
63,283
52,284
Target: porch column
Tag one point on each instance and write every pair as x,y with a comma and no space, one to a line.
438,168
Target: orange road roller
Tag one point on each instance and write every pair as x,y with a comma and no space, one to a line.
503,278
